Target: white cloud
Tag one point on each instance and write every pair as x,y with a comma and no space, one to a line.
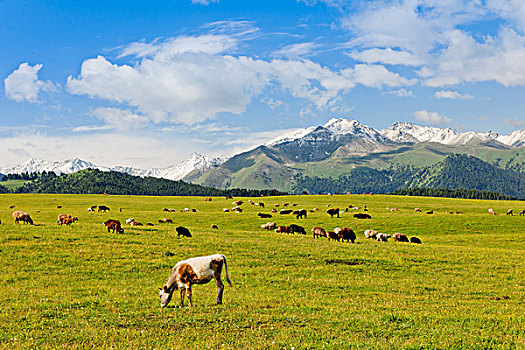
23,84
295,51
192,79
432,118
386,56
402,93
452,95
120,119
203,2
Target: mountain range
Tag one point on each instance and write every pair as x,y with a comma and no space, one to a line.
339,148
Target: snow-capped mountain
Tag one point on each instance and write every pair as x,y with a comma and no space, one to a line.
409,132
174,172
34,165
333,129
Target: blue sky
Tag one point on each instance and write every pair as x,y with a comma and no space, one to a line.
145,84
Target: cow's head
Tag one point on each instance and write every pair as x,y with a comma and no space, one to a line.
165,296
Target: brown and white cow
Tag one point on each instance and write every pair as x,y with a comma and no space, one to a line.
199,270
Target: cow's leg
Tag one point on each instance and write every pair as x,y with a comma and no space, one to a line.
182,297
188,292
220,288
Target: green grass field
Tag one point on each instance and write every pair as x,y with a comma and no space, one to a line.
82,287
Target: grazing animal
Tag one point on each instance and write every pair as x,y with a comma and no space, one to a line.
214,227
522,212
129,221
149,224
332,235
274,210
225,210
114,225
66,219
261,204
283,229
318,232
264,215
59,206
103,208
509,212
430,212
136,223
120,209
300,213
183,231
345,233
382,237
199,270
268,226
417,209
238,203
491,212
297,229
332,212
415,240
370,234
394,209
93,207
22,216
11,206
399,237
286,204
229,197
458,212
362,216
165,221
285,211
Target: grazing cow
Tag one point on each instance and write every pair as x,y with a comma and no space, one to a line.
183,231
276,205
136,223
11,206
225,210
199,270
415,240
509,212
268,226
318,232
382,237
491,212
149,224
264,216
165,209
114,225
399,237
214,227
274,210
103,208
458,212
297,229
417,209
129,221
522,212
120,210
430,212
229,197
22,216
66,219
165,221
332,235
394,209
238,203
286,204
171,210
283,229
261,204
332,212
370,234
345,233
93,207
362,216
300,213
285,211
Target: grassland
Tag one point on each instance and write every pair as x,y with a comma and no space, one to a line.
82,287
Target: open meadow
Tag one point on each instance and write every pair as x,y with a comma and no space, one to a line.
79,286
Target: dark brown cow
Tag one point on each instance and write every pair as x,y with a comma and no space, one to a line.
183,231
332,212
345,234
300,213
264,216
362,216
103,208
297,229
114,225
399,237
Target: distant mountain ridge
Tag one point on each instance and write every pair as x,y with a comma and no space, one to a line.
68,166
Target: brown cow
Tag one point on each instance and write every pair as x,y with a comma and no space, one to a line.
165,220
22,216
300,213
345,233
114,225
296,228
399,237
283,229
66,219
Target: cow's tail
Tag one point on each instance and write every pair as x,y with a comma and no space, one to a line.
227,275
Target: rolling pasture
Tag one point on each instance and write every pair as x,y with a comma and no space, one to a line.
79,286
